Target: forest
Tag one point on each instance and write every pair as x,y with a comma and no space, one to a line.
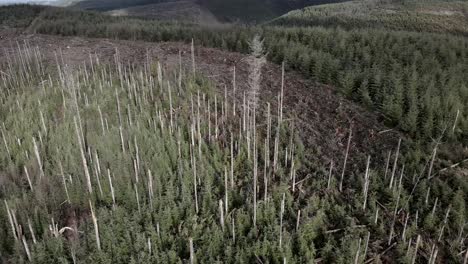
418,81
112,163
440,16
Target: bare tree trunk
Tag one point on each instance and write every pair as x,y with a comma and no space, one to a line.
96,227
10,219
64,181
221,214
366,183
445,223
395,164
31,230
38,158
298,219
418,240
29,179
83,158
431,166
330,173
192,252
26,248
356,258
226,190
192,52
281,220
111,188
346,159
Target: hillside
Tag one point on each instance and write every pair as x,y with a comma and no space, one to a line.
225,10
427,16
181,11
136,140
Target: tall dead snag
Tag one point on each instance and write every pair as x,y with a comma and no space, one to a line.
96,227
150,188
445,223
346,158
226,190
366,183
83,157
221,214
431,165
392,228
356,258
395,163
418,241
111,188
28,178
255,173
234,87
26,248
31,230
38,158
367,245
10,219
233,230
281,221
137,197
194,169
330,172
298,220
403,234
456,121
5,142
63,181
265,173
192,51
433,255
192,252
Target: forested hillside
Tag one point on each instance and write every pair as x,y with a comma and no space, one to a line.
109,161
224,10
413,15
418,81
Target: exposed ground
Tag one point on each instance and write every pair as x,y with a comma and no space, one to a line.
321,115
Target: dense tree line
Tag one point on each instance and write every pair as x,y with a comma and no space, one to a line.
19,16
409,15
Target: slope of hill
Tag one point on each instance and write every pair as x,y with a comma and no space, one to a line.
182,11
225,10
116,150
428,16
107,155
